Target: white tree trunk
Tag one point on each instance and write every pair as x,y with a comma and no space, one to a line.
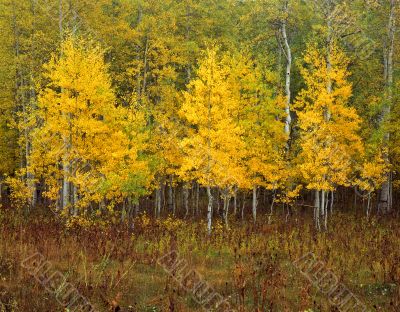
65,189
317,210
226,209
158,201
288,54
385,198
209,210
254,204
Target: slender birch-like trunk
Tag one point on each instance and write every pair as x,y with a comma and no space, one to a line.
288,55
146,49
123,211
272,203
325,207
75,199
209,209
65,163
368,203
174,201
322,206
317,210
217,195
186,199
197,198
170,196
385,198
209,180
243,205
226,208
158,201
235,201
32,95
254,204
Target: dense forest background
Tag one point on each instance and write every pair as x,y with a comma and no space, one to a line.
195,108
210,155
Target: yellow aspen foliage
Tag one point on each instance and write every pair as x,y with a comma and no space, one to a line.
213,147
373,173
260,118
81,128
330,143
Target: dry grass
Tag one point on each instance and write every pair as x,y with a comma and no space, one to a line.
117,270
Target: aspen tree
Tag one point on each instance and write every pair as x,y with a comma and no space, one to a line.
213,147
104,140
329,147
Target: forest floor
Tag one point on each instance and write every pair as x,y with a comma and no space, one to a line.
253,267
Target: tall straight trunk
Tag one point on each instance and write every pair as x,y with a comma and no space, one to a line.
138,57
146,49
156,194
197,198
368,203
288,54
174,201
193,199
23,96
325,208
123,211
217,196
186,199
243,205
328,57
18,72
226,208
254,204
65,189
235,201
209,194
137,207
385,198
29,175
272,202
32,100
158,201
187,38
65,164
209,209
74,19
170,196
60,19
130,215
332,200
355,198
320,196
317,210
74,199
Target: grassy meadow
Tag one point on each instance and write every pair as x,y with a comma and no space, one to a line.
251,265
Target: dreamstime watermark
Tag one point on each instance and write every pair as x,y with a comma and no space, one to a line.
328,284
56,284
192,282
